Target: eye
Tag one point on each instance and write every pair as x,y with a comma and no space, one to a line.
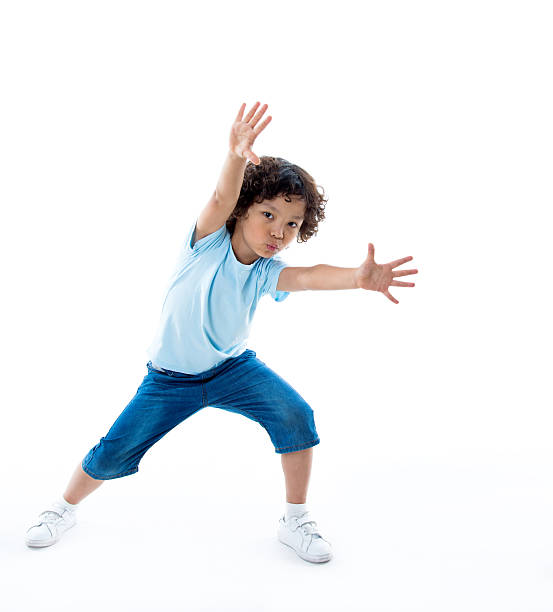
292,223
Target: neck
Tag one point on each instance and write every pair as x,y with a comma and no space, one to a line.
242,253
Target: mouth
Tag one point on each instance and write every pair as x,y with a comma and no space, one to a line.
272,247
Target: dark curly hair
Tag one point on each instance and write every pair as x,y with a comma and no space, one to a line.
274,177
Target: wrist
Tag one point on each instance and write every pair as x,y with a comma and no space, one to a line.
355,277
236,158
231,178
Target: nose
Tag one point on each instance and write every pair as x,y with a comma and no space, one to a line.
277,233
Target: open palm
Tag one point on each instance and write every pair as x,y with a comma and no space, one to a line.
378,277
245,130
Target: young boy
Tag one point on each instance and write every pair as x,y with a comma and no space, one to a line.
199,356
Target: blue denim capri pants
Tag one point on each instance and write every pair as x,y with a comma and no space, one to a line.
242,384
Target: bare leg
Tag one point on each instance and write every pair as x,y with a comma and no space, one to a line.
297,469
80,485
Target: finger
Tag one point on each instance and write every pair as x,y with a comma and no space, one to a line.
258,116
262,126
401,284
252,111
398,262
404,272
390,297
240,113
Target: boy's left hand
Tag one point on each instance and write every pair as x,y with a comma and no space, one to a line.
378,277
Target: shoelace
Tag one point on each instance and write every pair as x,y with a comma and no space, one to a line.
53,515
310,528
50,516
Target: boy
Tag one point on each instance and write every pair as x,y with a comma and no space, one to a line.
199,356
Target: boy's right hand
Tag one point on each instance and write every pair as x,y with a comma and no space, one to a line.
244,132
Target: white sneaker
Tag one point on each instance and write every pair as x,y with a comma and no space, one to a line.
52,523
301,534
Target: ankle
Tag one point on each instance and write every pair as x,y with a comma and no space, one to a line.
295,510
64,502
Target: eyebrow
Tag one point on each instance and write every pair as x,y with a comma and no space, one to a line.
273,208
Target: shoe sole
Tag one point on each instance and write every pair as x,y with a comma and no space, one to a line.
40,543
306,557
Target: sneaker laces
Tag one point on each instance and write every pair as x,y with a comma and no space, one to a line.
310,528
50,516
53,515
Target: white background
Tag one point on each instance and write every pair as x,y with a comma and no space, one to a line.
429,126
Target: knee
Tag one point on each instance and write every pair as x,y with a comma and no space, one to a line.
297,416
108,460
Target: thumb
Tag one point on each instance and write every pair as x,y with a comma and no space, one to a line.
252,157
371,251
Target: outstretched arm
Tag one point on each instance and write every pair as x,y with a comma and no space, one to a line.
369,275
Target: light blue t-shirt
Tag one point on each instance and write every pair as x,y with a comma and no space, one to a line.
210,302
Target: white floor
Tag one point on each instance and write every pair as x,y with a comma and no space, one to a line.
409,535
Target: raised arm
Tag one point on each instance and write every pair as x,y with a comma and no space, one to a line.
243,133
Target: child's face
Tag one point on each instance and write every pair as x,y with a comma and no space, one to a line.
271,223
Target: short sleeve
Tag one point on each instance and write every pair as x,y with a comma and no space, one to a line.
274,268
211,241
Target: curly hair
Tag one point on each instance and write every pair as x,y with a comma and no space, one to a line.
274,177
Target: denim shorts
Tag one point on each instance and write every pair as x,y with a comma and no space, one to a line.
242,384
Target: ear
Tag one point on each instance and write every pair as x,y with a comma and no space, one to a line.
242,217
